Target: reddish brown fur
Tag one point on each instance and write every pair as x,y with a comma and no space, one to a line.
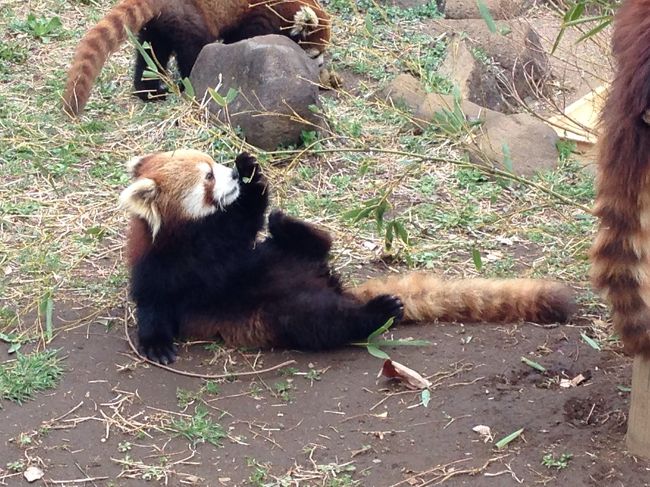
427,298
621,249
98,43
215,15
254,333
174,173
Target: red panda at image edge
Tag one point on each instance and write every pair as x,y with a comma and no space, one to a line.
620,254
199,271
182,28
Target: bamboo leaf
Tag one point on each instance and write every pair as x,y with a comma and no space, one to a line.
503,442
375,352
382,329
487,16
476,257
533,364
591,342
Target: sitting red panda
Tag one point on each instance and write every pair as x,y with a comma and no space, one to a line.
198,270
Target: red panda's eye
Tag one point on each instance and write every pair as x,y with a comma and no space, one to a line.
209,176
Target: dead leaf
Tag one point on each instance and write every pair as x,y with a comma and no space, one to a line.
484,431
576,381
411,379
32,474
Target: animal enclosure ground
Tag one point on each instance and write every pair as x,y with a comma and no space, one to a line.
325,420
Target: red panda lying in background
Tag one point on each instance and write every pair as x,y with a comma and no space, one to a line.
183,27
198,271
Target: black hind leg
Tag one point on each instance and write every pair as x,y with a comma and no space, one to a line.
160,50
298,236
321,321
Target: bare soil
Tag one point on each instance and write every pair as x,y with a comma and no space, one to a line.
377,429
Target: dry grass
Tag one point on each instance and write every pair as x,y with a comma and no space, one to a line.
62,234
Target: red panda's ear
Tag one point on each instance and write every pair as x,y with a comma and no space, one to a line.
133,165
139,199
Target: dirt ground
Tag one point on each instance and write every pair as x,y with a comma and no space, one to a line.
348,421
325,420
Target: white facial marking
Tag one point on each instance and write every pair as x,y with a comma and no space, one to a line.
194,203
226,187
304,21
224,190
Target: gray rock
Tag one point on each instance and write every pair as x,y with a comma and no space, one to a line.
476,80
514,59
499,9
405,91
531,143
276,81
435,102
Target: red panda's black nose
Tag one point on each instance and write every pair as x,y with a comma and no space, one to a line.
235,173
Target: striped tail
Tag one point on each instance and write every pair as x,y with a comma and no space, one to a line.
620,254
427,298
98,44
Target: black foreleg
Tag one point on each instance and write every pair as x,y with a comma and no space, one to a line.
299,237
160,50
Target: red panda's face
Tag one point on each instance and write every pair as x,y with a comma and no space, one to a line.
177,186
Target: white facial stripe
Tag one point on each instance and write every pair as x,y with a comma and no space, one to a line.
194,202
226,187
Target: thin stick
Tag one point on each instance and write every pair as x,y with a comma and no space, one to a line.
194,374
493,171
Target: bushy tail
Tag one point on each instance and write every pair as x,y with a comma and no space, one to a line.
621,250
427,298
97,45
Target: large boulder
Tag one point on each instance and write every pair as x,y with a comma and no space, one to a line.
498,140
494,67
276,84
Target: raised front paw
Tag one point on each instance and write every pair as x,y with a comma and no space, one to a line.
385,307
158,349
248,168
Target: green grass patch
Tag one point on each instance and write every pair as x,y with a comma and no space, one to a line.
199,428
28,374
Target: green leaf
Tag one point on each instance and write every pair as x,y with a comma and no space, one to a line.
591,342
388,239
14,347
476,257
401,232
382,329
189,89
595,30
375,352
231,95
503,442
624,388
534,365
357,214
400,342
218,99
425,397
487,16
507,157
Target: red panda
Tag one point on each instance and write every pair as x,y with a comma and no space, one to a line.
183,27
198,269
620,254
